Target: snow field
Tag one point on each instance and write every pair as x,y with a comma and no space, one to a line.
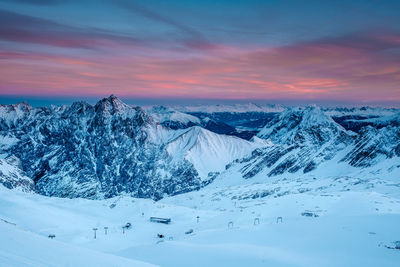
353,228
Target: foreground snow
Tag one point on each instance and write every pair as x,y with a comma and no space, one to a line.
326,222
22,248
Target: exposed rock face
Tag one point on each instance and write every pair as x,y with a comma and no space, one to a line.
303,139
12,176
112,148
306,137
94,151
373,145
308,126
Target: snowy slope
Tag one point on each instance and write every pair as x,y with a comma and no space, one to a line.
24,248
338,192
319,218
374,146
209,152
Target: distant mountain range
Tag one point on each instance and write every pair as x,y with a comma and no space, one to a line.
112,148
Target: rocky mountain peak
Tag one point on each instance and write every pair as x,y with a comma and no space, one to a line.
111,105
79,107
302,125
314,115
19,108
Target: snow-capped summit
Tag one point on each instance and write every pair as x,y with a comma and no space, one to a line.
172,118
306,138
112,148
303,137
95,152
209,152
303,125
111,105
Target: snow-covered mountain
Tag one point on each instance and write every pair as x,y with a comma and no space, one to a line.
360,111
306,138
110,148
209,151
310,126
241,120
355,119
173,119
231,108
374,145
232,201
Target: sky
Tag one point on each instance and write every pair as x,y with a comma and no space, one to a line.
306,51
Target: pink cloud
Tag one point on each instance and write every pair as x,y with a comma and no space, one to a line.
341,68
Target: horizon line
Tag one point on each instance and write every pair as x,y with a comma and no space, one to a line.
47,100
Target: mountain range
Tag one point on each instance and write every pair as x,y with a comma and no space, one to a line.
111,148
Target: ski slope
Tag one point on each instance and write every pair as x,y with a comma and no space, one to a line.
23,248
336,221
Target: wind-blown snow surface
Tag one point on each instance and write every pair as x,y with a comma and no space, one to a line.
330,221
209,151
23,248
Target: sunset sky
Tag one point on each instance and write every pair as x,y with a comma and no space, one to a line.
235,50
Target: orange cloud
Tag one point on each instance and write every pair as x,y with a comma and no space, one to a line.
336,69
